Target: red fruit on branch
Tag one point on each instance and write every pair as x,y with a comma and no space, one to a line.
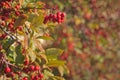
58,17
19,28
3,23
25,78
63,14
40,75
10,26
36,78
32,77
45,19
58,13
32,68
3,36
7,70
37,68
17,6
87,16
26,62
17,13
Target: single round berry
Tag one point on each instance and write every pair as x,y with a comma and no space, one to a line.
3,23
36,78
25,78
19,28
32,77
46,19
37,68
10,26
17,13
50,16
63,14
40,75
3,36
7,70
17,6
58,13
26,62
32,68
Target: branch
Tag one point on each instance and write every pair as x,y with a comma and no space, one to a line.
11,36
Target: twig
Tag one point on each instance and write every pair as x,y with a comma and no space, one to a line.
11,36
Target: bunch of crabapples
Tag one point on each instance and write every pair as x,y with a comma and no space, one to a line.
58,17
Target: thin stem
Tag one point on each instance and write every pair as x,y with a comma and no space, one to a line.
11,36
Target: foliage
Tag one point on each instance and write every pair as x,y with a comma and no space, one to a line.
90,37
23,36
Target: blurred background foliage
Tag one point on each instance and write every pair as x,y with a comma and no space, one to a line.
90,37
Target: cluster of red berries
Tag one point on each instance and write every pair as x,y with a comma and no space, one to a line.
32,68
8,72
35,69
11,71
3,36
58,17
7,10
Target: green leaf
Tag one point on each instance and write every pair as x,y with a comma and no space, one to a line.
11,55
47,74
8,43
61,70
56,63
36,20
54,51
43,56
57,78
66,70
32,55
45,37
19,57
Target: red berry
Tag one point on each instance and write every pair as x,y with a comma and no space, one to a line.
26,62
10,26
40,75
59,21
63,14
46,19
50,16
58,17
17,13
87,16
37,68
19,28
7,70
32,77
58,13
54,19
32,67
36,78
17,7
3,23
54,16
3,36
25,78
